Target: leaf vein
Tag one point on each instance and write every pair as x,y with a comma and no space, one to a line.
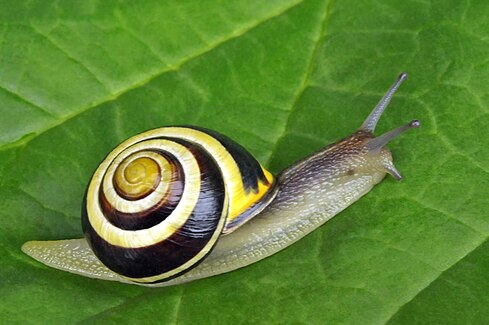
70,56
174,67
445,213
306,78
123,25
36,200
28,102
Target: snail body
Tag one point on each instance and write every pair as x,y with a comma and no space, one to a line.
207,207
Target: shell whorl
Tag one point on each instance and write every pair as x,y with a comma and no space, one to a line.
159,201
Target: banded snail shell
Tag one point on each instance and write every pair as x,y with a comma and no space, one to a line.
158,202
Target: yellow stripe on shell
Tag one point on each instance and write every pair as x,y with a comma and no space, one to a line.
239,199
245,200
135,152
166,228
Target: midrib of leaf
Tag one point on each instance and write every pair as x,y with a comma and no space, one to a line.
169,68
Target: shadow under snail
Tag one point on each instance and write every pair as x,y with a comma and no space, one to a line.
176,204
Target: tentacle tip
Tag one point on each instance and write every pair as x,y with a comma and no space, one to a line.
371,122
403,76
414,124
398,177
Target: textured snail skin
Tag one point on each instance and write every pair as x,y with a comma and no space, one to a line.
310,192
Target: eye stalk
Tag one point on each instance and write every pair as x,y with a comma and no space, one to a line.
374,117
376,145
380,141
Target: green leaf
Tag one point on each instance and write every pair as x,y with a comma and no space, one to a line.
284,78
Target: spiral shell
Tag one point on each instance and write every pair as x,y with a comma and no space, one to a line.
158,202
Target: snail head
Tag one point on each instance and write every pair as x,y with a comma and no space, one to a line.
371,152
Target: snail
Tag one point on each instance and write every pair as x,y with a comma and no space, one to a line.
176,204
